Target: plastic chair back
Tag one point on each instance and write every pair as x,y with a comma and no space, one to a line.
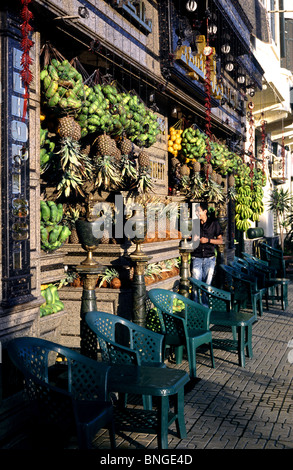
122,341
62,400
195,314
218,299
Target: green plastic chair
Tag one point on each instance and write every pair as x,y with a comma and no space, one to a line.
218,299
256,274
244,291
189,328
274,258
76,397
123,342
270,281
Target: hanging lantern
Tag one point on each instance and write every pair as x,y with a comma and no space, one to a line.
225,49
212,29
191,6
241,77
229,66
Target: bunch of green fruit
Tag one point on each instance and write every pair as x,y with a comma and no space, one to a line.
144,127
193,144
94,115
62,86
46,149
53,234
52,302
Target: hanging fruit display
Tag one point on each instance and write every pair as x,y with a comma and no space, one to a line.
249,199
98,108
175,139
62,86
47,146
53,233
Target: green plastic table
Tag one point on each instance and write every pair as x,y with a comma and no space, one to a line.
243,323
161,383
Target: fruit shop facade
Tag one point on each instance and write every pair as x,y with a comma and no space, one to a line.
140,47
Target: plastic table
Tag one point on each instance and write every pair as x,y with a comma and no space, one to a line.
161,383
243,323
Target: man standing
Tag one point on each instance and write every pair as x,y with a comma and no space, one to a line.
203,257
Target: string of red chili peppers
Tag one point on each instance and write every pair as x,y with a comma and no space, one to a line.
283,156
251,140
208,104
263,142
26,45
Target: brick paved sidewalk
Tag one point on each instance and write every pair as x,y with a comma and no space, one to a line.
230,407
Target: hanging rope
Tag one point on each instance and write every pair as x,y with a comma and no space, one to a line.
26,45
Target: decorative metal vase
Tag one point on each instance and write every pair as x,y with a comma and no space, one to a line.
86,234
140,229
186,231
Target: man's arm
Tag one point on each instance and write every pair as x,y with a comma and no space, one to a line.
213,241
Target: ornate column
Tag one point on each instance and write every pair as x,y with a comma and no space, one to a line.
89,271
88,339
185,249
139,259
184,283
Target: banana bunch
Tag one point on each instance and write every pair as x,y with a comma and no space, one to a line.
46,149
193,144
174,140
62,86
53,234
242,208
52,303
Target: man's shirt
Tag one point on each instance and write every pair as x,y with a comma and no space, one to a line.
210,229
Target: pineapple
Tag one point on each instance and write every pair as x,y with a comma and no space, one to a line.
231,181
109,276
126,146
105,238
208,168
104,144
214,176
174,162
69,128
72,216
196,167
185,170
219,179
107,173
117,155
75,166
143,159
144,182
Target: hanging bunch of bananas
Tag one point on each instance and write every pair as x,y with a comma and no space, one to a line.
175,139
242,208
